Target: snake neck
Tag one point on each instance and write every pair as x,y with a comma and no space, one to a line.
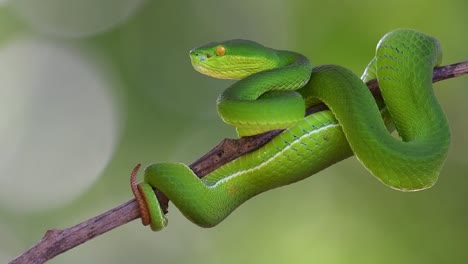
290,71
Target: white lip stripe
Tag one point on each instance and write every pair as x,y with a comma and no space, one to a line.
272,158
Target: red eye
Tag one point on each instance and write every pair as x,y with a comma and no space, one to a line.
220,50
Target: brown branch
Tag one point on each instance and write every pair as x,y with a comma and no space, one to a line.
57,241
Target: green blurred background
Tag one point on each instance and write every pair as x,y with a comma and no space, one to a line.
90,88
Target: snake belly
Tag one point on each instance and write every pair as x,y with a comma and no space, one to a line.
355,124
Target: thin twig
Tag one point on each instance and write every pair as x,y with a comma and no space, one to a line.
58,241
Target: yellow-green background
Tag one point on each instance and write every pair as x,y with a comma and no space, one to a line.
167,112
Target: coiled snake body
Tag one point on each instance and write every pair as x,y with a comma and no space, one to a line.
274,89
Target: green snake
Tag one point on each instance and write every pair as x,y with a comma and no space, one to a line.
274,89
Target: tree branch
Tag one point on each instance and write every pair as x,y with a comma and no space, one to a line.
57,241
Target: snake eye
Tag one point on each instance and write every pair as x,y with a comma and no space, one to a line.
220,50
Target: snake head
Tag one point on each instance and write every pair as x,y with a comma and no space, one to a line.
232,59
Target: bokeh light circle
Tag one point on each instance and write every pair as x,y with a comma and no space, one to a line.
58,126
70,18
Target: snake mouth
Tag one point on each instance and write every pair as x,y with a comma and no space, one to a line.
203,70
199,63
212,72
